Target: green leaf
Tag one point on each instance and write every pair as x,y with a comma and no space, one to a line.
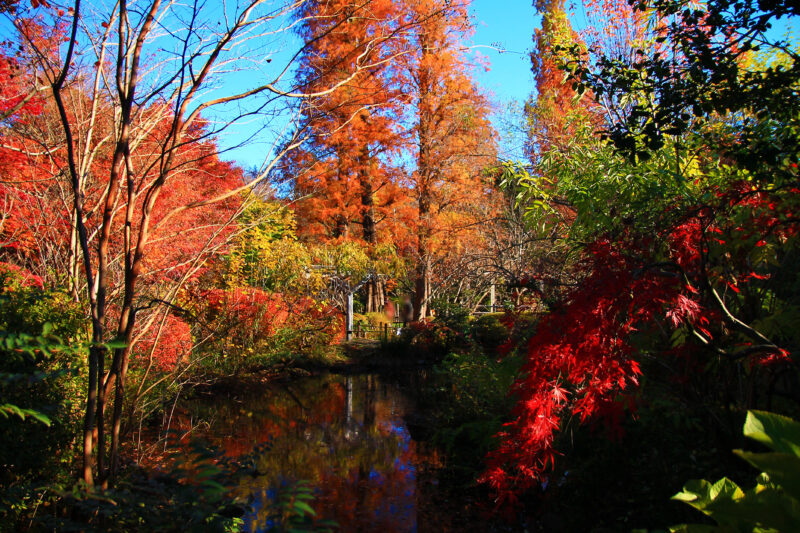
694,528
300,505
115,344
44,419
11,409
208,472
699,493
780,433
783,469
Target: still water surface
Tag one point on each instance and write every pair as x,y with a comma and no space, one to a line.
347,435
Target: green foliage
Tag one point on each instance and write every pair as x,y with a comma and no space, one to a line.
192,495
534,192
452,315
27,307
292,511
353,261
711,44
267,254
607,193
195,491
470,400
489,332
523,328
433,340
478,384
19,349
42,358
375,319
38,367
774,503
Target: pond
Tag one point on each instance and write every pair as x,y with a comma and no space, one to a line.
352,437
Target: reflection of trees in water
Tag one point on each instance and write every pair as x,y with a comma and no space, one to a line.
362,463
343,434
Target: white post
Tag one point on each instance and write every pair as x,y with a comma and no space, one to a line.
491,298
349,320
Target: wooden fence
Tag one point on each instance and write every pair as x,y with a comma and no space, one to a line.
497,308
383,331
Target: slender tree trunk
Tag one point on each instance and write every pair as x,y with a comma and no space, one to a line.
73,265
122,355
96,351
422,285
368,223
425,172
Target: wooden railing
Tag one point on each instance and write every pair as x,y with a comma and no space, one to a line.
486,309
497,308
383,331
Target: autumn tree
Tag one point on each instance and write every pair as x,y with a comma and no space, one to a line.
346,175
564,121
685,236
451,135
352,131
553,111
422,106
151,105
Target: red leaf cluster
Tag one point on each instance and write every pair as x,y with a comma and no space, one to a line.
164,345
582,359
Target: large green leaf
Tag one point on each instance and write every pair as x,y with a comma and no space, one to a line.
763,508
780,433
699,493
783,469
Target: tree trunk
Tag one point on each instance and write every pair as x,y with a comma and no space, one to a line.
423,281
425,174
376,299
375,288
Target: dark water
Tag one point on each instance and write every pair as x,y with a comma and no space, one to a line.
348,436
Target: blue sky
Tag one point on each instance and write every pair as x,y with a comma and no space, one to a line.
503,30
503,34
507,25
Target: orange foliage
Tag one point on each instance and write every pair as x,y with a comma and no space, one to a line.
345,175
248,316
37,204
164,345
257,313
615,28
19,276
36,200
453,137
555,112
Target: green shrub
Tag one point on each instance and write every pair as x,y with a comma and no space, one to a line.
774,503
489,332
467,399
42,385
451,315
432,340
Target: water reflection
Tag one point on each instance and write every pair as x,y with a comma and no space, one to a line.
344,434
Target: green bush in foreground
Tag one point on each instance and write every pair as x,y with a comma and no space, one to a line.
773,505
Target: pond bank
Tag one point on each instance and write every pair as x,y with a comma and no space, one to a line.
350,357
